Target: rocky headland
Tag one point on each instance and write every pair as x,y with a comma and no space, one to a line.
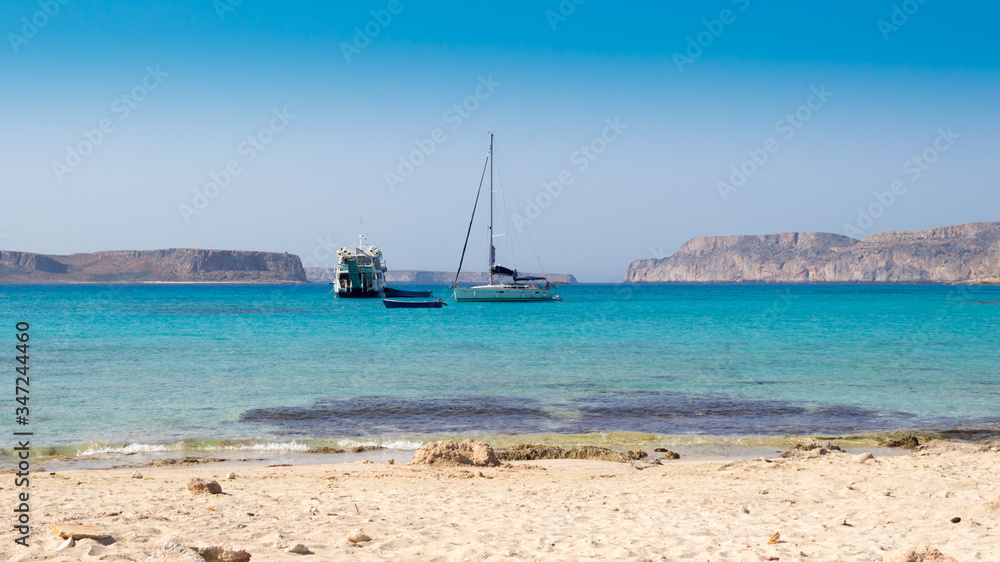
966,253
175,265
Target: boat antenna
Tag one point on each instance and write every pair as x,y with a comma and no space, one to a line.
469,231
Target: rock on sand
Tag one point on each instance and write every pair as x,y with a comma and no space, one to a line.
77,532
809,447
921,554
454,453
202,486
221,552
539,452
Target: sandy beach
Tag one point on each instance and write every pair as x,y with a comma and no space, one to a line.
836,506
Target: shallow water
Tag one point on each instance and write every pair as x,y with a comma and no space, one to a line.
264,366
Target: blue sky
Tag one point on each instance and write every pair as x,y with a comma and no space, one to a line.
314,120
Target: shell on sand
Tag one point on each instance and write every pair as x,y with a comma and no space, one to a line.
358,536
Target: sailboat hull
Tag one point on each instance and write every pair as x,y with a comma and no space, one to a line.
502,293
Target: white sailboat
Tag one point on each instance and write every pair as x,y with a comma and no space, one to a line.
520,288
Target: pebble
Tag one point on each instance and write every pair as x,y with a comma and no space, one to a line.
230,476
298,548
358,536
865,457
956,519
137,474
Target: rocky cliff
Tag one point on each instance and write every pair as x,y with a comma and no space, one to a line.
940,255
416,277
152,266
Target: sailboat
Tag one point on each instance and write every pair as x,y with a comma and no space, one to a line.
520,288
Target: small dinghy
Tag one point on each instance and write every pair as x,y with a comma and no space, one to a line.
403,294
388,303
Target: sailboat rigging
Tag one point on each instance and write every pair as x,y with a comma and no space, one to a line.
519,289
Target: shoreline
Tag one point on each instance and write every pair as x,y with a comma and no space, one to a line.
837,506
700,448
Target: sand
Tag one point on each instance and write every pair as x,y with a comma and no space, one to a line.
829,507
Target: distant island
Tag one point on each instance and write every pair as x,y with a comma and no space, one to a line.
175,265
418,277
966,253
185,265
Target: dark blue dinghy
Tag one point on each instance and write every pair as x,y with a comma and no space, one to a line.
403,294
412,304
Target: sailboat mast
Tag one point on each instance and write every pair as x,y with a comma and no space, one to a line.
491,209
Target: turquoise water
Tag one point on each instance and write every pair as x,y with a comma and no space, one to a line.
144,365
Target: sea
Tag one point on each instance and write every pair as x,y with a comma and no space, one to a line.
270,372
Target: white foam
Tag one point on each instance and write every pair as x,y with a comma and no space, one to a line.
270,447
400,444
130,449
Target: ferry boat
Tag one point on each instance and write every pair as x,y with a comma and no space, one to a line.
360,272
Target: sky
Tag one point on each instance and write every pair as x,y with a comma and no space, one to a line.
621,129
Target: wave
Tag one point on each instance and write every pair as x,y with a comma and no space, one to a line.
130,449
388,443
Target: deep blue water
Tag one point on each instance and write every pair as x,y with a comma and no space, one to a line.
154,364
